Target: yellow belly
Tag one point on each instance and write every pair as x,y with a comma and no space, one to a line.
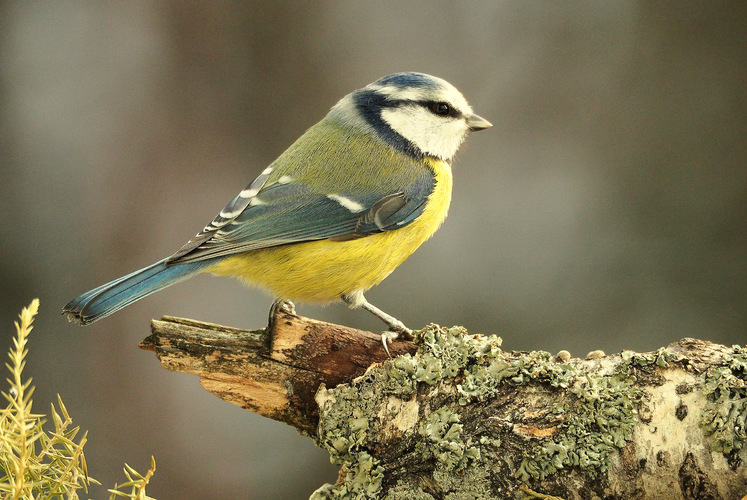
320,271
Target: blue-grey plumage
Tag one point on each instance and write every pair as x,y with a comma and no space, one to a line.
113,296
347,203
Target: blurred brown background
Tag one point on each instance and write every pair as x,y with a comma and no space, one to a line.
606,209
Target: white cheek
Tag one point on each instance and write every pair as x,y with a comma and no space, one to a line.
432,134
454,135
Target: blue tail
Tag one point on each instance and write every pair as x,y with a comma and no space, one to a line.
110,298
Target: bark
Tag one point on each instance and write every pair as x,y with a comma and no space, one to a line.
455,416
275,375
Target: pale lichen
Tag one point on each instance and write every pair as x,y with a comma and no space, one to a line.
601,421
344,428
361,479
660,357
443,354
344,434
443,431
724,418
593,417
472,483
483,379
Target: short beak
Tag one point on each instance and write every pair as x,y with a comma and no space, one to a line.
476,123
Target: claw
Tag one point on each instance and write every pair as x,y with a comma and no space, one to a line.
388,337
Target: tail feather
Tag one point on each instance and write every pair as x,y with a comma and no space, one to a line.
113,296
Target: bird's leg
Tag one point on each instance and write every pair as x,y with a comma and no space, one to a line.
397,329
395,325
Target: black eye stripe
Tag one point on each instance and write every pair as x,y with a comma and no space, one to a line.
438,108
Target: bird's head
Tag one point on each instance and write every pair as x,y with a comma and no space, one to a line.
416,113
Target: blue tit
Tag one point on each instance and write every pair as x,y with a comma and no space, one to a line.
337,212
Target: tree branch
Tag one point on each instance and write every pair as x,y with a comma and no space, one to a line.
275,375
455,414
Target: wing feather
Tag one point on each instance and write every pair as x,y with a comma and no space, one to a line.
280,208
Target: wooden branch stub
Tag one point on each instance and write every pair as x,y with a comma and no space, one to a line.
341,353
275,375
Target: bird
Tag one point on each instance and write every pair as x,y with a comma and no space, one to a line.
333,215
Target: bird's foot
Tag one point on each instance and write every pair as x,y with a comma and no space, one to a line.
279,306
397,331
283,305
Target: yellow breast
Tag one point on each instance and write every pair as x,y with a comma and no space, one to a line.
320,271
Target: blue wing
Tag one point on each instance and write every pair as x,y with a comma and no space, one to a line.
283,213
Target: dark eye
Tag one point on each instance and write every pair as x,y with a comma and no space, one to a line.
440,108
